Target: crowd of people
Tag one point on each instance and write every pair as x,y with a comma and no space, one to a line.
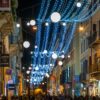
48,97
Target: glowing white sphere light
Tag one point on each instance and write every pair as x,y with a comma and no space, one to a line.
35,47
32,22
62,56
45,51
37,68
54,56
46,24
26,44
64,24
78,4
55,17
18,25
60,63
28,24
28,72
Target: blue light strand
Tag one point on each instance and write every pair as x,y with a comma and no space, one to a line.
41,9
62,39
89,11
46,9
89,16
70,38
70,2
54,34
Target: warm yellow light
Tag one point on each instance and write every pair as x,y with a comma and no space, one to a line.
81,28
34,28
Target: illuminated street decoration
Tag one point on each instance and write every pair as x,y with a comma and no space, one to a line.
58,32
26,44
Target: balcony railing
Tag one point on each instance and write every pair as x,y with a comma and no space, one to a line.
94,38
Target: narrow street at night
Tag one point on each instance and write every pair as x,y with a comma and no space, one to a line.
49,49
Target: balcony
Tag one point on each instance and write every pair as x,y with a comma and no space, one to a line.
94,39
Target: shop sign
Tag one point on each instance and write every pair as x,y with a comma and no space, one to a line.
4,60
11,86
4,5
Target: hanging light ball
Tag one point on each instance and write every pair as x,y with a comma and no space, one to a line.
30,68
62,56
37,68
28,72
47,75
68,56
60,63
45,52
26,44
55,17
46,24
54,56
17,25
28,24
64,24
35,46
27,80
32,22
78,4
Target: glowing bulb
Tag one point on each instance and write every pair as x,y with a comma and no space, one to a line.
27,80
60,63
55,17
37,68
30,68
35,47
23,67
18,25
34,28
31,52
64,24
81,28
50,65
45,51
28,72
46,24
32,22
78,4
47,75
68,56
26,44
54,56
62,56
28,24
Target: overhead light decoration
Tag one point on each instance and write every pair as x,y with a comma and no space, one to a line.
31,52
62,56
35,46
55,17
36,68
46,24
26,44
64,24
32,22
78,4
68,56
30,68
60,63
17,25
54,56
28,24
28,72
27,80
45,52
47,75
